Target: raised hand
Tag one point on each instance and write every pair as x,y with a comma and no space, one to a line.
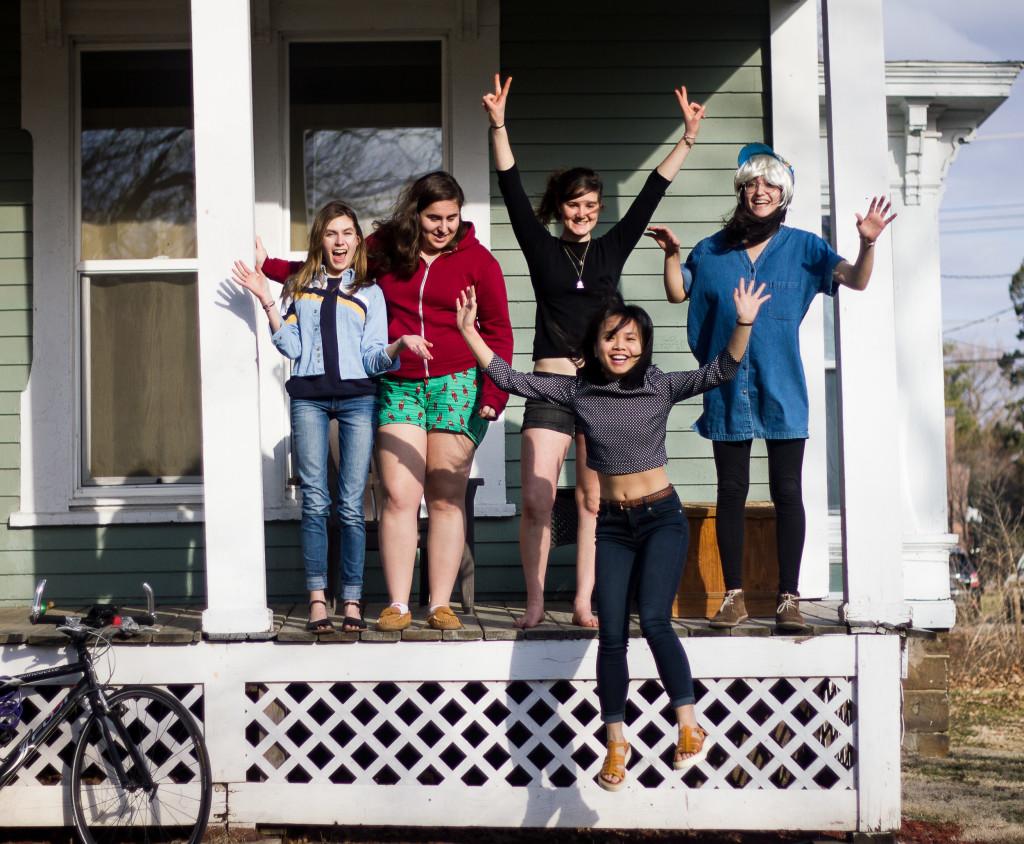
252,280
870,226
693,113
748,301
665,238
465,311
494,103
417,345
261,253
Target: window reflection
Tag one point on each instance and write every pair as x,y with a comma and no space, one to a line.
137,155
367,167
364,118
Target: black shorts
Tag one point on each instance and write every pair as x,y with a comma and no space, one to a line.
551,417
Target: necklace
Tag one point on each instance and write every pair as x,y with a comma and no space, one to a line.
577,263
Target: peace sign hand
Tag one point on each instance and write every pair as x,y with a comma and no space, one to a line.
693,113
873,224
494,103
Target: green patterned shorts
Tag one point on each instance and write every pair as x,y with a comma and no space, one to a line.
444,403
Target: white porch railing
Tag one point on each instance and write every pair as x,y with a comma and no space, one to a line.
507,734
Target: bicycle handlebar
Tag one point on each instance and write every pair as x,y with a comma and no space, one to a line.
98,615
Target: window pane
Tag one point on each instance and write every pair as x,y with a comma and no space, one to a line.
137,153
364,119
142,397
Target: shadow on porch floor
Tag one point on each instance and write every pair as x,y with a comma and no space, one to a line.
487,621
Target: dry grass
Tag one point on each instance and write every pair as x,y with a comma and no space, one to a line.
977,793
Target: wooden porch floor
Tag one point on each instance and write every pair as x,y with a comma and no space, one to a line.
487,621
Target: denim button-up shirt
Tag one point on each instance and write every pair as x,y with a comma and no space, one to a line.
768,397
361,331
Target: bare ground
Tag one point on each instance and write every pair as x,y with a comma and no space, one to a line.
976,794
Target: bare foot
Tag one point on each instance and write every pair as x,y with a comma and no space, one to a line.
583,617
531,618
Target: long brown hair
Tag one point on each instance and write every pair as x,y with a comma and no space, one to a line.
397,239
315,256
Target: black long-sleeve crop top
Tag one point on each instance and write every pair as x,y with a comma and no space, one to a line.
564,308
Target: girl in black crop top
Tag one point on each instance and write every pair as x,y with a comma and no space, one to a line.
572,275
622,402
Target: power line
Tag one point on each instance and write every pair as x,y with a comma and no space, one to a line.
977,321
988,207
978,276
982,231
1016,215
949,362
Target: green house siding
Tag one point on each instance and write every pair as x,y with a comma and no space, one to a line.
597,92
593,91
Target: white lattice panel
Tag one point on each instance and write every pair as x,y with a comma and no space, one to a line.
52,762
767,733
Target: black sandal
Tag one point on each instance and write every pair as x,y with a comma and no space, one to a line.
350,624
321,625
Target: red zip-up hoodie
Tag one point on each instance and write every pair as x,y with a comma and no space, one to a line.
424,304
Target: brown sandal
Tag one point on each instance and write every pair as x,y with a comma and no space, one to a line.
615,765
691,740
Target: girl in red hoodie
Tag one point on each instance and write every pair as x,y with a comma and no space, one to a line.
431,414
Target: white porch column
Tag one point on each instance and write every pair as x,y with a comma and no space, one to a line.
233,493
922,418
795,120
866,350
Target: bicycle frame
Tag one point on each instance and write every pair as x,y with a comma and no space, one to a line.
12,763
87,688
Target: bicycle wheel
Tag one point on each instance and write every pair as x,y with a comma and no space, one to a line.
150,733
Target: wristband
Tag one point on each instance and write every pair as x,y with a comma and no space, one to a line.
689,140
867,244
268,305
493,128
744,323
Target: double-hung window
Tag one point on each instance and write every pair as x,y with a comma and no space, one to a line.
136,264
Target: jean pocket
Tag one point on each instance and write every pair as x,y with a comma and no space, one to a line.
787,300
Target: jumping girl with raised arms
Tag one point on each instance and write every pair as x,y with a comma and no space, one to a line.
621,402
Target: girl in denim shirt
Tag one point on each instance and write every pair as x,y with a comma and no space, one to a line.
334,329
768,398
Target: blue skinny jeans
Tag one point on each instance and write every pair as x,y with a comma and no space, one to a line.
310,420
643,550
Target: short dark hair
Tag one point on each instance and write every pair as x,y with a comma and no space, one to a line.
564,185
616,309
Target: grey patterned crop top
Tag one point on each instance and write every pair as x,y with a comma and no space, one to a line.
624,429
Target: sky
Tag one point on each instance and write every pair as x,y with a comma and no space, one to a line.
982,212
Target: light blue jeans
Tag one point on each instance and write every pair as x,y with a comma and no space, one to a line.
310,420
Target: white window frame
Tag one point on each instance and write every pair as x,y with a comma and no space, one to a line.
110,495
51,431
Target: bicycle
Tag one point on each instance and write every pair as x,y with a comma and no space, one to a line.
140,769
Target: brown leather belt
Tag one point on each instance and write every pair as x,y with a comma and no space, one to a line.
627,503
